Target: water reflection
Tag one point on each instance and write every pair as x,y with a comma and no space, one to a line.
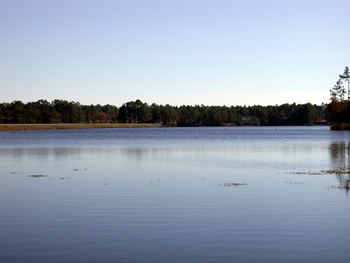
340,153
40,153
250,155
340,150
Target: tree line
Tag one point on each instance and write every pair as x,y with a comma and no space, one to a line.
62,111
339,107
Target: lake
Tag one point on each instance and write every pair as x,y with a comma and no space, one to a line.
223,194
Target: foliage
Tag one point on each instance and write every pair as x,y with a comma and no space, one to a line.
345,77
339,108
62,111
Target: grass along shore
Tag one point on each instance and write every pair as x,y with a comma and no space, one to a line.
65,126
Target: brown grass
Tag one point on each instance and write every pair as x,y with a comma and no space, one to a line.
340,126
64,126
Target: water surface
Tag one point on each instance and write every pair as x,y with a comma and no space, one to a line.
237,194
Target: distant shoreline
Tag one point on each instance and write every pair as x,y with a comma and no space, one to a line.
72,126
75,126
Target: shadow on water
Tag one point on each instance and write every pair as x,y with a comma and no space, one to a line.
340,153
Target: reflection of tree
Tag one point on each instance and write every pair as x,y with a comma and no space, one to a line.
341,152
344,180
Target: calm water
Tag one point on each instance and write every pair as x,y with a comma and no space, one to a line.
169,195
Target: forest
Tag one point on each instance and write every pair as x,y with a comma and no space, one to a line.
62,111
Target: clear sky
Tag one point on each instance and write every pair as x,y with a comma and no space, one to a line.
234,52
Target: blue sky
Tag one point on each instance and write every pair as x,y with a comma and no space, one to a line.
189,52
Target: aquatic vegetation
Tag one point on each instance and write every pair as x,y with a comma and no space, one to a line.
309,172
232,184
78,169
295,182
17,172
38,175
344,187
342,173
341,170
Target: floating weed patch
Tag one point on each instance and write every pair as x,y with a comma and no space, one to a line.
309,172
346,187
341,170
295,182
342,173
17,173
45,176
77,169
232,184
38,175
